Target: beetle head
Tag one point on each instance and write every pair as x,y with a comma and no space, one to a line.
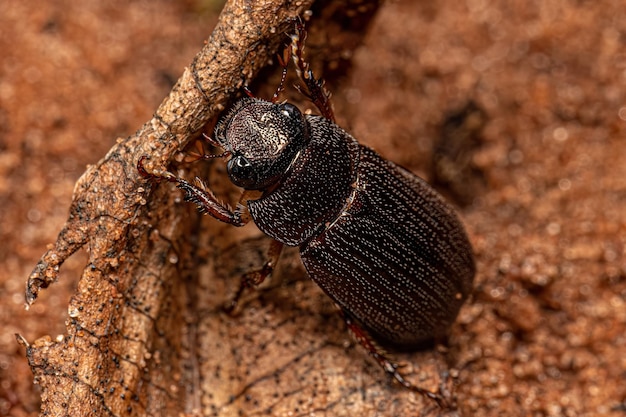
263,139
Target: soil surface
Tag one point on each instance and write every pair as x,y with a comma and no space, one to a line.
541,188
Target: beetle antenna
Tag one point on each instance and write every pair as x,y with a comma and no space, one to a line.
224,154
199,156
200,153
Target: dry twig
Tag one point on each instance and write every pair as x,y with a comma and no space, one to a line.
126,306
126,349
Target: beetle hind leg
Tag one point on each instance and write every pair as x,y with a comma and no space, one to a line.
442,398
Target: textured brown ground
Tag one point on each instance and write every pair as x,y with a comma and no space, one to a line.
545,332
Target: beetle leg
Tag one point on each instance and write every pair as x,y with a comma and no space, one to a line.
254,278
200,195
387,364
283,61
314,88
207,203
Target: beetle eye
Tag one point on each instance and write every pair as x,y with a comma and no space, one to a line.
239,167
289,110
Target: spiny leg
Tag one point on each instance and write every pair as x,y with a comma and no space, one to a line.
256,277
200,195
390,367
313,88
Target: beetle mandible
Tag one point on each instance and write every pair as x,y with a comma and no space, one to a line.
387,248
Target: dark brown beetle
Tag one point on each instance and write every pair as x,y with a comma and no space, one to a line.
377,239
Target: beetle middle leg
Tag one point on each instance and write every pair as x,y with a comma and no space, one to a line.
256,277
389,366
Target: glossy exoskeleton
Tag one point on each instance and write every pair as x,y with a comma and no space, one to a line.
377,239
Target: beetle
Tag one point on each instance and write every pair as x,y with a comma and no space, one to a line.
378,240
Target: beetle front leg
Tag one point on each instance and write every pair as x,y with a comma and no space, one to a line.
200,195
389,366
207,203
